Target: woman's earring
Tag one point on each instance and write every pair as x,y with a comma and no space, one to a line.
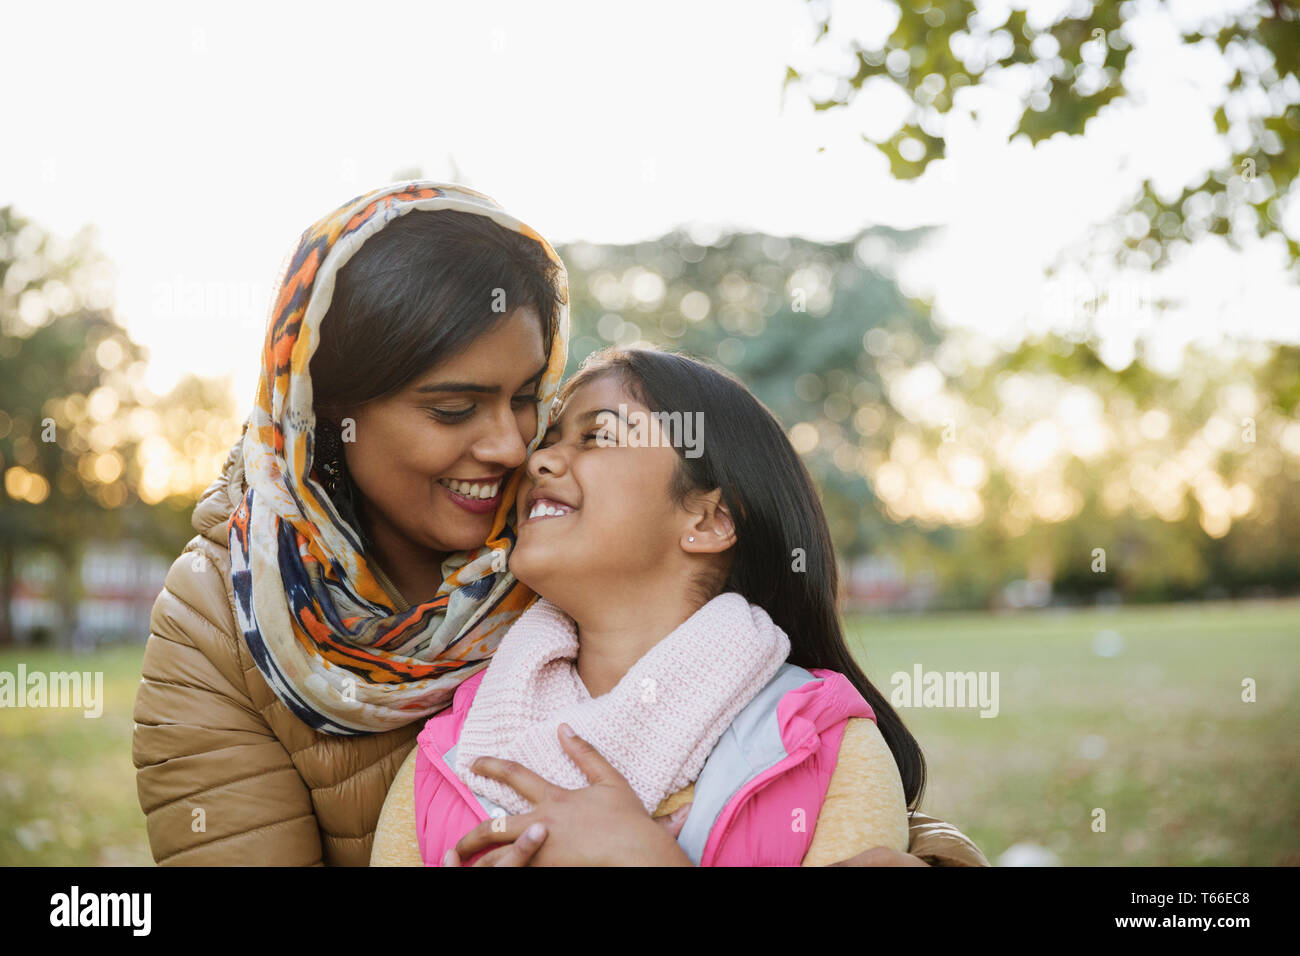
331,470
328,455
691,538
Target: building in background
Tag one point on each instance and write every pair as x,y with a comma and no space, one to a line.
118,584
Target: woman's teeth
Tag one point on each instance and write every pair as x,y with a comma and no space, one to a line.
549,508
471,490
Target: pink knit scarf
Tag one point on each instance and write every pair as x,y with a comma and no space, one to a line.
656,727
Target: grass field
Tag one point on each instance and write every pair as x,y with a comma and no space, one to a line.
1137,712
1156,734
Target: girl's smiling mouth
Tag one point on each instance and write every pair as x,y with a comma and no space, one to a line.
542,505
547,508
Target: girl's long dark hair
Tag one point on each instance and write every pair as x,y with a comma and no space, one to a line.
775,508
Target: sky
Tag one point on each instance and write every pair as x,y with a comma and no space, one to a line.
199,143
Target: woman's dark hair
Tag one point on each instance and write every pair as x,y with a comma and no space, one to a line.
775,509
420,290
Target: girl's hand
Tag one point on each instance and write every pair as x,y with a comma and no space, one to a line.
603,824
519,853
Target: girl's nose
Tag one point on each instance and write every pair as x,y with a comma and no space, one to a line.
546,461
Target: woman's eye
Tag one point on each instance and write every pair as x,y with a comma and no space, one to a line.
452,415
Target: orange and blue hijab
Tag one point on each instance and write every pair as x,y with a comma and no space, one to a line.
323,631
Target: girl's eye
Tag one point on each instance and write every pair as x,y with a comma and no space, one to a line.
547,441
528,399
603,437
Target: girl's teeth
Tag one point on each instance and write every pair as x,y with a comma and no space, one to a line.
549,511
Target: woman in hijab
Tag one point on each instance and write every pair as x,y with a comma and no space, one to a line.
350,569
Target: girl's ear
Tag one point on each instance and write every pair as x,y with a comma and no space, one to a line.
711,531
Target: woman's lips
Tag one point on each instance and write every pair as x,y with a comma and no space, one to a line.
476,505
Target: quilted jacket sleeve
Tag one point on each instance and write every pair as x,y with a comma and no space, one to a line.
216,785
942,844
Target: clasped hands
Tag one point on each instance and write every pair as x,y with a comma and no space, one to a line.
602,824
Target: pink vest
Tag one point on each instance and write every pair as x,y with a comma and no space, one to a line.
756,801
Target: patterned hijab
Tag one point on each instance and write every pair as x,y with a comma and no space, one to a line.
324,632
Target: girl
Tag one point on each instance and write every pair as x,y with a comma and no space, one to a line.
687,631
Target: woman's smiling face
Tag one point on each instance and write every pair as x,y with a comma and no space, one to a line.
618,519
466,421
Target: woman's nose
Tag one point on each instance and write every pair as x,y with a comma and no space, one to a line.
503,444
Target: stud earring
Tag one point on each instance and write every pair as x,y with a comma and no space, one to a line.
691,538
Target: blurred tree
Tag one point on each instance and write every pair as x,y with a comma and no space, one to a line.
1150,486
184,439
86,451
67,374
1071,66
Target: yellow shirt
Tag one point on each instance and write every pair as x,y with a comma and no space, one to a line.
864,805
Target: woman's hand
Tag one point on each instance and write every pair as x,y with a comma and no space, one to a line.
603,824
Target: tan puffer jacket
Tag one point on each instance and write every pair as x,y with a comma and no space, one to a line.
227,775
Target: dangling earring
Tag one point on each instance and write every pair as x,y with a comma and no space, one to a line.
331,471
328,455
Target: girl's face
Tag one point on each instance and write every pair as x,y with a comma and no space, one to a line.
618,522
430,461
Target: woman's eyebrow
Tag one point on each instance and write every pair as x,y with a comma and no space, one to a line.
474,387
